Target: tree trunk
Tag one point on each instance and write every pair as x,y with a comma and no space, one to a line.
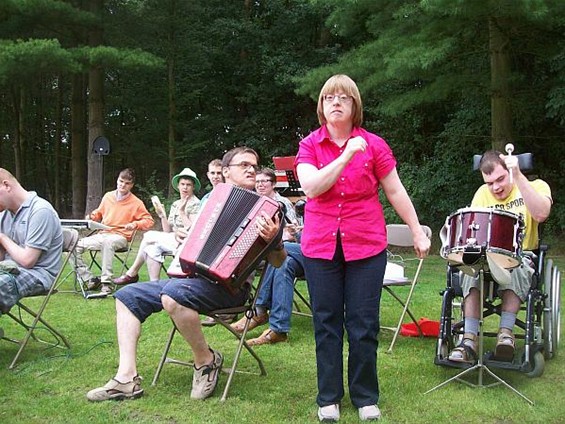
95,129
172,134
95,117
57,159
172,122
501,111
18,102
79,143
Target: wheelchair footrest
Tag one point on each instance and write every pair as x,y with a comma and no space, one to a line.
516,364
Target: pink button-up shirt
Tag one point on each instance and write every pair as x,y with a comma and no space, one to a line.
351,206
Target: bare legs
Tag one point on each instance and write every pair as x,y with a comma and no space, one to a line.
153,266
510,303
129,329
188,324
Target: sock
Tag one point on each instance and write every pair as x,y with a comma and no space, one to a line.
472,325
261,310
507,320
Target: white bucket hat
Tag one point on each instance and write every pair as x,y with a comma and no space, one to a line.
186,173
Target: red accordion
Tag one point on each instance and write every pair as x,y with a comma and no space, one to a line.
224,244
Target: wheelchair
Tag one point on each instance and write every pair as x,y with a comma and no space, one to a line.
537,328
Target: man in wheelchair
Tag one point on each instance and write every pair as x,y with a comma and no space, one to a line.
507,189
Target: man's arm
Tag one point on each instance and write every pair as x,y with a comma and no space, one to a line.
26,256
98,213
537,204
146,221
142,220
268,230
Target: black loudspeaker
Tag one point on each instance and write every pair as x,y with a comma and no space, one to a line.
101,146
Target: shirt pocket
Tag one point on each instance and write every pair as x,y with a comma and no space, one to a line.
360,177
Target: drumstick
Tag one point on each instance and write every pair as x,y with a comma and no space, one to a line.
509,149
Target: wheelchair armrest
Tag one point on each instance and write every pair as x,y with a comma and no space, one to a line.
543,248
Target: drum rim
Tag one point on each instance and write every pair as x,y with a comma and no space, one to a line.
470,209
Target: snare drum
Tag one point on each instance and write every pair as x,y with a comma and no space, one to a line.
500,232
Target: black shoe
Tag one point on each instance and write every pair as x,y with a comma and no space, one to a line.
94,283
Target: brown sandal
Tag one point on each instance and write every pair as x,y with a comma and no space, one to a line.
255,322
115,390
466,351
505,345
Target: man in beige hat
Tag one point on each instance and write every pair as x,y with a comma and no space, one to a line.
156,244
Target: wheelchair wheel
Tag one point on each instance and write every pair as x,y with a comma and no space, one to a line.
538,364
449,337
556,309
548,313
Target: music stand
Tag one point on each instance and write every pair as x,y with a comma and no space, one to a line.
476,256
287,181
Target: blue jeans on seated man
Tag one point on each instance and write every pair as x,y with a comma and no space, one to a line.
277,290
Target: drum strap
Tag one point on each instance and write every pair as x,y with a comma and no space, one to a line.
444,241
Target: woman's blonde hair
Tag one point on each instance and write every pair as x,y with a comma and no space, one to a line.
342,84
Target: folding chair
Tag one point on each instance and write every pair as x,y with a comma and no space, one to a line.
248,309
297,310
166,263
71,237
69,244
400,236
122,255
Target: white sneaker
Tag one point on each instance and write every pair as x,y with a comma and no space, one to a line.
371,412
329,413
205,378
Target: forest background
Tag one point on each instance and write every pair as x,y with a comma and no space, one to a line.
173,83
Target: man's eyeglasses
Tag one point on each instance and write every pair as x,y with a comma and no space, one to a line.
263,181
245,166
343,98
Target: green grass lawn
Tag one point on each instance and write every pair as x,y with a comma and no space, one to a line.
49,385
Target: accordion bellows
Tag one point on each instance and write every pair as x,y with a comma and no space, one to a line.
224,244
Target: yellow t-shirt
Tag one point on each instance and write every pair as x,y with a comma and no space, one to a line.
515,203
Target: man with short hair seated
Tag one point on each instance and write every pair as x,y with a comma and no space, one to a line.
31,242
184,299
505,188
124,212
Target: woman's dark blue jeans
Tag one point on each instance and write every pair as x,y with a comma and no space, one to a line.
346,295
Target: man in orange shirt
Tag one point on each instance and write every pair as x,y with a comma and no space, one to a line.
124,212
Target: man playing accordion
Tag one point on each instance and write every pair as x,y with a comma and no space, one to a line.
184,299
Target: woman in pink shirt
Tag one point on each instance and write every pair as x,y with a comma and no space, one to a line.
341,167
